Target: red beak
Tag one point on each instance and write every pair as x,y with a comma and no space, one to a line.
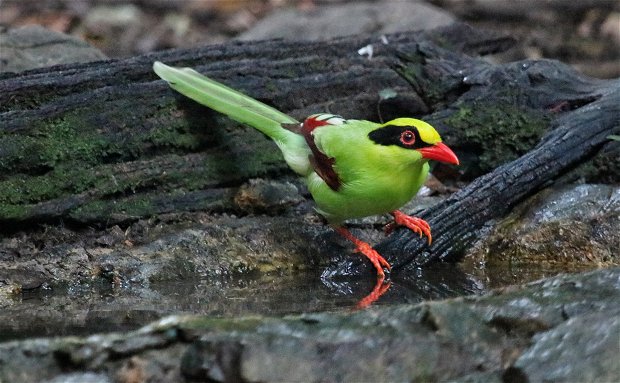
439,152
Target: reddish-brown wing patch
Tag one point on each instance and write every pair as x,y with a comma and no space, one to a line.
321,163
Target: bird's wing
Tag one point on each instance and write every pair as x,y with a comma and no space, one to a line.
322,164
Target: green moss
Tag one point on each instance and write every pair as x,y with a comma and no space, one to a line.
271,86
444,43
101,210
14,212
70,139
74,138
55,142
166,136
432,92
107,181
61,181
315,65
223,324
500,130
68,156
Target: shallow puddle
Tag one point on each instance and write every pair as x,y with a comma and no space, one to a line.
87,310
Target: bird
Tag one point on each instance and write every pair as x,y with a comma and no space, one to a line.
352,168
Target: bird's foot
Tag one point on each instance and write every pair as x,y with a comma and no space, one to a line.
380,288
417,225
375,258
365,249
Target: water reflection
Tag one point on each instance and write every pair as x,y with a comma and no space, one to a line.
88,309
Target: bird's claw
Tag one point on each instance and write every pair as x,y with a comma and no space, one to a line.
365,249
374,257
417,225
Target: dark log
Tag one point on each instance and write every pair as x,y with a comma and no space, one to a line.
105,142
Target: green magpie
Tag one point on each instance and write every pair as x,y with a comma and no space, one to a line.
353,168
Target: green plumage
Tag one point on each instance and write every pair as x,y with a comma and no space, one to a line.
374,178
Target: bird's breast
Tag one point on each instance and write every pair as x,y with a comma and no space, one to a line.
366,194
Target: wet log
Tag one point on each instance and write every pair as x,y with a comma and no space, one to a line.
107,142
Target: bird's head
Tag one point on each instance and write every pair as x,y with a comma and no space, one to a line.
419,138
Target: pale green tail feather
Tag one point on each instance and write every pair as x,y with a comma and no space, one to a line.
225,100
241,108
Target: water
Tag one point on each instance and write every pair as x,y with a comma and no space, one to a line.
84,310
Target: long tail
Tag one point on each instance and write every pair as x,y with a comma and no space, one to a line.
241,108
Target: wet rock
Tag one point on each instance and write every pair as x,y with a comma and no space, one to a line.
168,248
237,245
467,339
574,227
266,196
112,237
33,46
328,21
583,349
26,279
80,377
9,291
212,361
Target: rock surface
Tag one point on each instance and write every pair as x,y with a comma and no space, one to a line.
335,20
582,33
583,349
35,47
559,329
571,226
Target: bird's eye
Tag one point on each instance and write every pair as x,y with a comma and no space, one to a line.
407,138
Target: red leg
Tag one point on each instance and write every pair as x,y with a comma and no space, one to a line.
377,260
417,225
380,288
